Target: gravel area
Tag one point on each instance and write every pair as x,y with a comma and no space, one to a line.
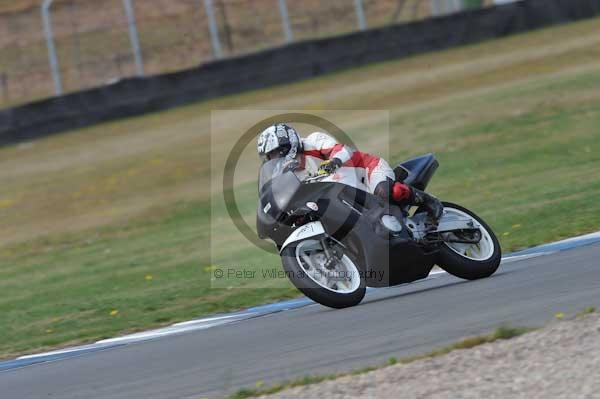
561,360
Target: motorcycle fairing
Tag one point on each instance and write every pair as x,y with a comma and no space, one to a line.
351,216
387,259
303,232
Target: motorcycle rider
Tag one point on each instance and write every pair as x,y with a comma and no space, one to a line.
319,153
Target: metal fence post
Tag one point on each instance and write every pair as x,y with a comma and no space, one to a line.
52,58
360,14
435,7
4,87
212,29
285,20
133,37
457,5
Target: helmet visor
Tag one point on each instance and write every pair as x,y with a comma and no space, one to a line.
275,154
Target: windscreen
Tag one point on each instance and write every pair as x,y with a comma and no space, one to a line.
273,168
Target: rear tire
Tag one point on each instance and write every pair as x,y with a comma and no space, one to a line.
461,265
298,276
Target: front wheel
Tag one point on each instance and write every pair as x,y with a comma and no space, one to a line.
470,261
338,284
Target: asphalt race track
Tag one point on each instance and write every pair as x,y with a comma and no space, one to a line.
395,322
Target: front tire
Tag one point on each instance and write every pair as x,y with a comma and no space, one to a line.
458,261
308,281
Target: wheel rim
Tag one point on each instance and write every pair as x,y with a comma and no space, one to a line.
344,278
481,251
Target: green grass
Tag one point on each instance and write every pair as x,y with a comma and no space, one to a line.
540,171
501,333
115,280
114,229
586,311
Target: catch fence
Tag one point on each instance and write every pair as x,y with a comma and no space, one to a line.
70,45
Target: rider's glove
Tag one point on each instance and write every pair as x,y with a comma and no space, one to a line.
330,166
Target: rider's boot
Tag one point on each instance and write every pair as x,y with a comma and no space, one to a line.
403,194
431,204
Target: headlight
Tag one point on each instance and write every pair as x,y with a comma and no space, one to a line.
391,223
313,206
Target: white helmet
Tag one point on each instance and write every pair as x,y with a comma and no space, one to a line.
279,140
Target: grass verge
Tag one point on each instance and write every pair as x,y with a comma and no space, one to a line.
501,333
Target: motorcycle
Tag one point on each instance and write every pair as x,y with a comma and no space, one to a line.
335,238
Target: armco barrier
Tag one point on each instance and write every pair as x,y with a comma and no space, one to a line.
282,65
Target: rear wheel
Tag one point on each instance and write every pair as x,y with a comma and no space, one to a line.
466,260
337,284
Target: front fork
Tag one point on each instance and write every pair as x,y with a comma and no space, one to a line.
333,253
